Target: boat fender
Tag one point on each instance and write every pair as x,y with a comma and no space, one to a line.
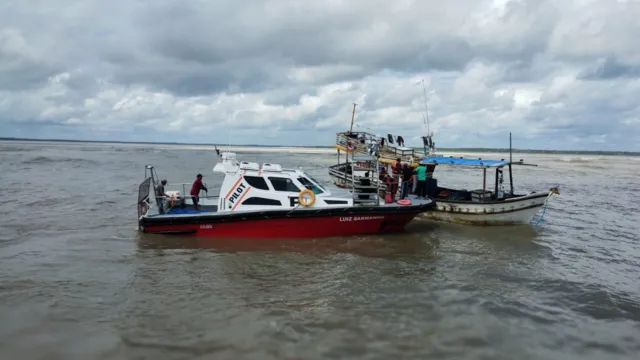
304,201
404,202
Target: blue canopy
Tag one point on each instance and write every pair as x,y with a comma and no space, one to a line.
459,161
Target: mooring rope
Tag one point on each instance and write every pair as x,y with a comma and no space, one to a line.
544,210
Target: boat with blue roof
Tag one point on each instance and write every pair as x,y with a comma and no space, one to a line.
491,204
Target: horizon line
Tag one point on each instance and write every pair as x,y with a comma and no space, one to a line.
471,149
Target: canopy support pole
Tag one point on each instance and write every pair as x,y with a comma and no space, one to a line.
484,182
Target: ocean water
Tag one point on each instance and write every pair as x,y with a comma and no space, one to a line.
78,281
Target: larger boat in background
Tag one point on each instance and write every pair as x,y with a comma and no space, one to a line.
476,207
271,202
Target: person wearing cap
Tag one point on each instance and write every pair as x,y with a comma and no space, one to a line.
161,195
195,191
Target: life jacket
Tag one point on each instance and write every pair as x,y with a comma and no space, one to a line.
396,167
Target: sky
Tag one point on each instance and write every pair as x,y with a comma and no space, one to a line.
559,74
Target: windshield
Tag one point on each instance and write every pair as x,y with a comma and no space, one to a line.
317,189
315,181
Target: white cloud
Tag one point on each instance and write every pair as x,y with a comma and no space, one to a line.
557,74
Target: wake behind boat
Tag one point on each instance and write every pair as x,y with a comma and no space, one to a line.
271,202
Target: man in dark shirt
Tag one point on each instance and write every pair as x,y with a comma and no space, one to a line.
407,174
195,191
161,195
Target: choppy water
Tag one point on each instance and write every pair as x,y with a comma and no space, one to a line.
77,281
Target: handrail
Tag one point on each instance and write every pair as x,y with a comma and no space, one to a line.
387,151
184,195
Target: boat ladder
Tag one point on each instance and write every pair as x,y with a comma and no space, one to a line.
365,180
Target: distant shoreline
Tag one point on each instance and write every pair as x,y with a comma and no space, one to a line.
469,150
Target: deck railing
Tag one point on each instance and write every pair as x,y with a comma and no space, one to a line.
388,151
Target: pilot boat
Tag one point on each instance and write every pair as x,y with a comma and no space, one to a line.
269,201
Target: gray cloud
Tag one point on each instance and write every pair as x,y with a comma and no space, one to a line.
610,68
191,66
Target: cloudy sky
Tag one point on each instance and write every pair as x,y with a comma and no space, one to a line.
561,74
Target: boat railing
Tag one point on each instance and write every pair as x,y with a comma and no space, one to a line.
143,197
389,151
352,144
183,186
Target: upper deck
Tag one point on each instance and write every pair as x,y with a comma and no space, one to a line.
367,143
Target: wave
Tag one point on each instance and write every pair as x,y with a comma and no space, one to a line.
51,160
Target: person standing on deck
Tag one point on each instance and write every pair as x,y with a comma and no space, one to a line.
421,171
407,174
195,191
397,173
396,167
161,195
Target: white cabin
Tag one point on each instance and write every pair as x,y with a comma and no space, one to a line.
248,186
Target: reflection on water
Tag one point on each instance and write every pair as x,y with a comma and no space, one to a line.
382,246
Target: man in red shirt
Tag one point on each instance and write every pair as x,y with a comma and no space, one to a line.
195,190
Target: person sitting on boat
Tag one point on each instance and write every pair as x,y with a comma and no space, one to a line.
392,188
195,191
383,173
161,195
407,177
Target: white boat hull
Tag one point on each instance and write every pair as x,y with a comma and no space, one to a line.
510,212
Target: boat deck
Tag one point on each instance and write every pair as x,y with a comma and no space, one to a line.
213,210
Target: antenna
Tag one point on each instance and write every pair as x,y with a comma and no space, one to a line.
510,149
229,132
426,109
353,115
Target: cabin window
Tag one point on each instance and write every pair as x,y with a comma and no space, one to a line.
257,182
309,185
283,184
261,201
315,181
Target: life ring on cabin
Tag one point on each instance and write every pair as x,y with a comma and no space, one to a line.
303,200
404,202
351,145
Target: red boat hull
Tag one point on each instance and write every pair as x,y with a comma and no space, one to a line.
294,227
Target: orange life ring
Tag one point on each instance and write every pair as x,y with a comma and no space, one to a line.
306,202
404,202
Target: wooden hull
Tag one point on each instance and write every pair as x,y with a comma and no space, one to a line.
520,210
